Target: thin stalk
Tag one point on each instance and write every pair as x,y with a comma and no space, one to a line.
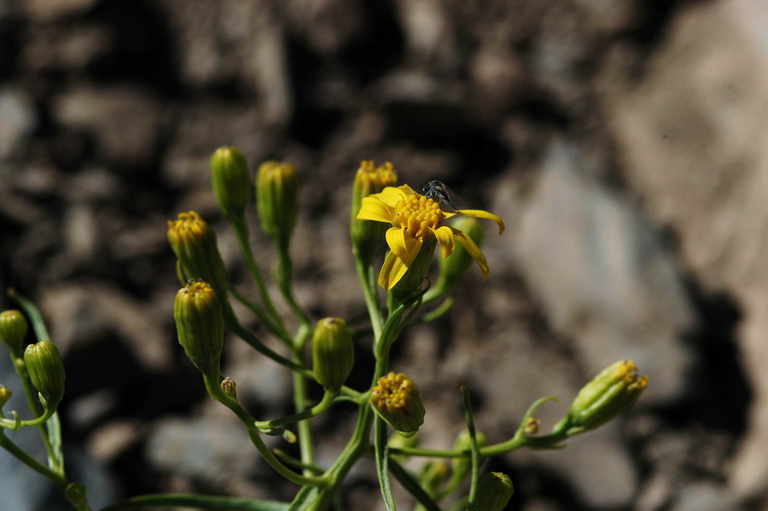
241,230
371,298
214,390
25,458
262,315
320,407
285,283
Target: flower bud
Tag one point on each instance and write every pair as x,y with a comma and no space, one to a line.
418,270
229,387
454,266
230,180
494,491
461,466
397,401
5,395
333,353
194,244
46,370
13,330
200,326
277,200
368,236
611,392
434,475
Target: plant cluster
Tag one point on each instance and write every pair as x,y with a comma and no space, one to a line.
397,292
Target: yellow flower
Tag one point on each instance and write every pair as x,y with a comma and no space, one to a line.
414,217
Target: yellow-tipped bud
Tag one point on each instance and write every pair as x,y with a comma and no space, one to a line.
231,181
396,399
277,190
5,395
367,236
333,353
494,491
194,244
461,466
46,370
200,326
13,330
453,267
614,390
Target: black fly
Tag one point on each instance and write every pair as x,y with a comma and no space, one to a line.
439,192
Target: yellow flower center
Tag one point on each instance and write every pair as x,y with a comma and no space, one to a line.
417,215
392,392
188,227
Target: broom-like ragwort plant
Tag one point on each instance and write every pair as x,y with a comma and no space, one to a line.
389,412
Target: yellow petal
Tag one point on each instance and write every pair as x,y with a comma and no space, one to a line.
391,195
472,249
445,239
402,245
479,213
375,209
392,271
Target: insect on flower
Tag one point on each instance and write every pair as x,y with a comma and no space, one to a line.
440,193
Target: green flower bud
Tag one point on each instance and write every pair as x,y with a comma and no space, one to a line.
368,236
460,466
494,491
13,330
454,266
396,400
46,370
413,279
194,244
231,181
200,326
277,190
5,395
611,392
333,353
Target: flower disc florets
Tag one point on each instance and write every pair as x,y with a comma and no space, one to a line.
397,401
418,215
187,228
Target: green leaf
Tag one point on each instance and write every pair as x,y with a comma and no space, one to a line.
198,502
475,449
382,462
412,485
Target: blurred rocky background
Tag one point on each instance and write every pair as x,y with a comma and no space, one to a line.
624,142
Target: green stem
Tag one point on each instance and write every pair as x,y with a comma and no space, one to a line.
290,460
322,406
371,298
214,390
300,399
285,283
241,230
15,424
25,458
198,502
262,315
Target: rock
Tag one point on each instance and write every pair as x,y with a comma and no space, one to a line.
125,121
611,478
18,115
47,10
214,450
603,277
701,167
429,31
705,496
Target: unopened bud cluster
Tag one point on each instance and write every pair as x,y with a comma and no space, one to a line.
333,353
367,236
46,371
194,244
199,319
611,392
231,181
277,190
13,330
